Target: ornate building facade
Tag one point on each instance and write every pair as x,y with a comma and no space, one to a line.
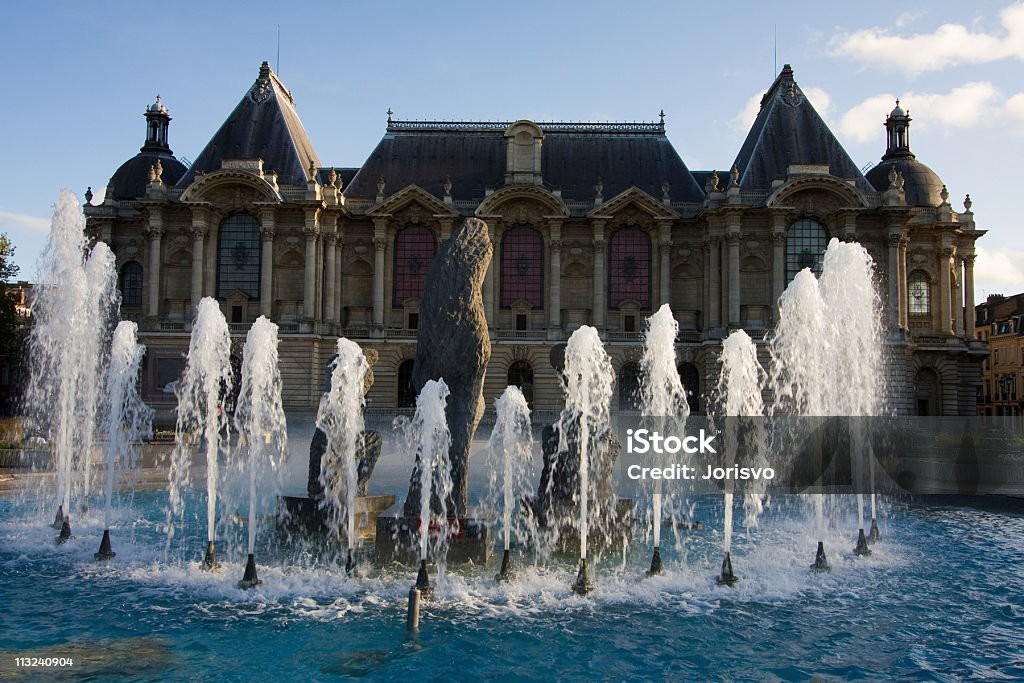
593,224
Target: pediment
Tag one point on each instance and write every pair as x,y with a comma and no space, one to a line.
412,194
636,197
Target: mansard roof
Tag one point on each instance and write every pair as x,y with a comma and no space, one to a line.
573,157
265,126
787,131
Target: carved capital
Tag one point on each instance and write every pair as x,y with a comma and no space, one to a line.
778,238
154,233
267,234
969,260
310,232
733,239
379,244
895,239
331,237
198,232
555,244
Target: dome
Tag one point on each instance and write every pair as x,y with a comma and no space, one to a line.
921,184
158,107
130,179
898,110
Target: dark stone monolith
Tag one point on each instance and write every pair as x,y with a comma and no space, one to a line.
453,344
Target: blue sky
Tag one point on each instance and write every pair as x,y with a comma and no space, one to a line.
77,83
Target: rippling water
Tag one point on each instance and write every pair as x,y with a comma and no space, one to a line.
941,598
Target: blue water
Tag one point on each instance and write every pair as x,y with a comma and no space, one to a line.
941,598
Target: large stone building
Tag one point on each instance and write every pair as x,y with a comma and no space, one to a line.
1000,323
593,224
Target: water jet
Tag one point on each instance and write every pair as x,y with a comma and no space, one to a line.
210,558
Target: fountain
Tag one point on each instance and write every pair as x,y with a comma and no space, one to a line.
340,417
75,301
739,390
512,441
260,422
203,394
428,437
663,399
128,418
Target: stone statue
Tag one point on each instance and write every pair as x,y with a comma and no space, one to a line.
369,448
453,344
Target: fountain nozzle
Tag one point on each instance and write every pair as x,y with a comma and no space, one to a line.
105,552
873,535
65,530
656,566
726,578
820,561
583,584
249,578
58,520
505,574
423,581
210,559
862,549
350,563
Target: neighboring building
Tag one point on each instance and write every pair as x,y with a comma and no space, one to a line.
593,223
1000,322
13,354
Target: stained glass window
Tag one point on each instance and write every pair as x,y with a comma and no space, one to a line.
414,250
920,293
238,256
522,266
131,285
629,267
805,247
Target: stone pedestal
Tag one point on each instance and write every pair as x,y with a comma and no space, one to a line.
398,538
306,517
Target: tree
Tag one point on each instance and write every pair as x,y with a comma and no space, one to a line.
13,329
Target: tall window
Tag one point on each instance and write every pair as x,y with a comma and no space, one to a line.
629,387
629,267
520,374
131,285
238,256
919,292
522,266
414,250
406,391
805,247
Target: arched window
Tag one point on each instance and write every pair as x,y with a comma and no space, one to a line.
629,386
406,391
520,374
805,247
919,293
629,267
927,392
690,378
238,256
414,250
522,266
131,285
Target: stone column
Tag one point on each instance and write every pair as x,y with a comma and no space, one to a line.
733,229
331,304
268,226
310,231
488,292
555,287
339,302
380,233
778,260
850,226
665,252
958,296
156,230
904,294
600,284
969,322
723,248
894,276
945,313
714,279
199,229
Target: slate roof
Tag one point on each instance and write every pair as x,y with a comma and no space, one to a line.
264,125
573,156
787,131
130,179
921,185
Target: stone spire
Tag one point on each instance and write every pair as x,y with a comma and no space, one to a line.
897,134
158,120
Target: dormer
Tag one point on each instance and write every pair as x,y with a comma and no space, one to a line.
524,140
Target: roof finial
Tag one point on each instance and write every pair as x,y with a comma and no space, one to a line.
389,115
712,184
734,174
968,203
448,186
88,196
944,195
312,170
662,115
380,185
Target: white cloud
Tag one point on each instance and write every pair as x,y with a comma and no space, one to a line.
966,106
21,223
999,270
948,45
